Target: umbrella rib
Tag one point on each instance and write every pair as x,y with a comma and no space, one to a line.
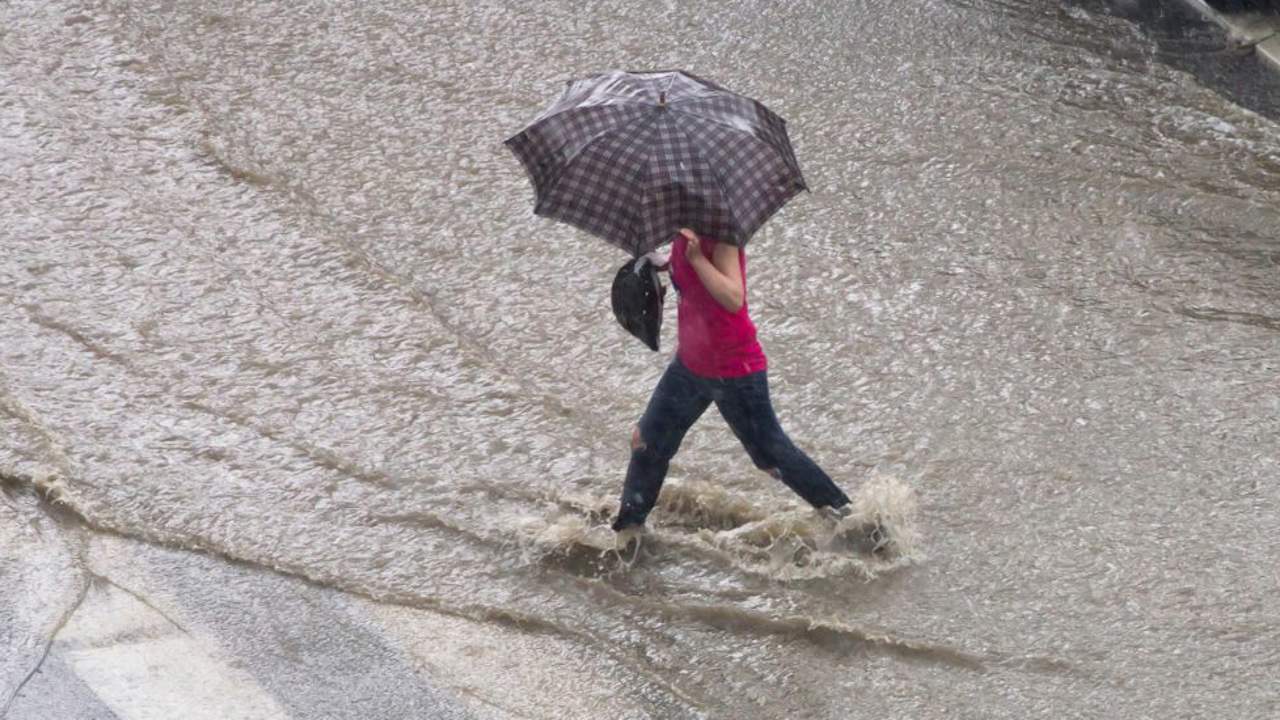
636,238
644,188
724,193
788,154
785,154
644,195
551,184
703,96
569,108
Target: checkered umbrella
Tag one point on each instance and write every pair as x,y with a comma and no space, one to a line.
634,157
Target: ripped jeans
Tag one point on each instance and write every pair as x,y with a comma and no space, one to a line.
680,399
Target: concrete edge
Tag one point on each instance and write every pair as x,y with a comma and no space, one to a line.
1261,30
1269,51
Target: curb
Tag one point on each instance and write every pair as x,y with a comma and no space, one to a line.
1259,30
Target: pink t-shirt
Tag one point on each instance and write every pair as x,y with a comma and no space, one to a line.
712,342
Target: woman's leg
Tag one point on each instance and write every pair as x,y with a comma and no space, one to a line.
679,399
744,403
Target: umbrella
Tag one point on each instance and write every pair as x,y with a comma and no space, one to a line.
634,157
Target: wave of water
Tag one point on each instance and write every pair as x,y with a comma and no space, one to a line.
273,292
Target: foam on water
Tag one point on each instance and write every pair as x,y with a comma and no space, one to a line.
789,543
276,292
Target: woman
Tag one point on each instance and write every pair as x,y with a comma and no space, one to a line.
717,360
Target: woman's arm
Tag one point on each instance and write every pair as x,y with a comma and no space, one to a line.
721,275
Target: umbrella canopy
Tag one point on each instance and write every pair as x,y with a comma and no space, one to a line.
634,157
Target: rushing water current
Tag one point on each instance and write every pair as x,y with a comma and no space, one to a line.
270,286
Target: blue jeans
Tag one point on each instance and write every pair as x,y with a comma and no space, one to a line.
680,399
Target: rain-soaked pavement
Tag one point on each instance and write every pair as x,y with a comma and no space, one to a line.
303,414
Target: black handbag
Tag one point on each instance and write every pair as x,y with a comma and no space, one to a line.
637,300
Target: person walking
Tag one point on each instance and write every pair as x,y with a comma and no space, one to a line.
718,360
636,158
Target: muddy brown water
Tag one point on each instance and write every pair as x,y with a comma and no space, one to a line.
270,286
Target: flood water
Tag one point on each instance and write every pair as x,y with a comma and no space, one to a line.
271,287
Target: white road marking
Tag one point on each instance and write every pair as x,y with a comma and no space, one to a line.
145,668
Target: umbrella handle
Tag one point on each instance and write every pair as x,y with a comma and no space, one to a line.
659,259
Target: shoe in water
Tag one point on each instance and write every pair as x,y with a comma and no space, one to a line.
628,539
869,537
836,514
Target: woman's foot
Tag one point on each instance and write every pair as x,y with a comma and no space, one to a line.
869,537
622,525
628,539
836,514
